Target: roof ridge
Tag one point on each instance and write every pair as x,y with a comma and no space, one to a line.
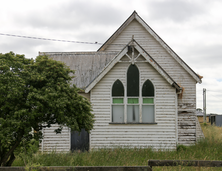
135,16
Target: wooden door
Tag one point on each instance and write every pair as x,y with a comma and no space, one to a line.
80,140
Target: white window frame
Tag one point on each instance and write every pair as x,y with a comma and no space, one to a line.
132,104
148,104
118,104
140,99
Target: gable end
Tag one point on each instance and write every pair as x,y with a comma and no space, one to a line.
143,53
135,16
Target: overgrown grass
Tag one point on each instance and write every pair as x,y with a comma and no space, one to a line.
208,149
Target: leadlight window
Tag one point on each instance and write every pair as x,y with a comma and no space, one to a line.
118,89
148,102
135,106
133,94
118,102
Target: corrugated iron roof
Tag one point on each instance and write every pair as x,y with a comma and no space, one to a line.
87,65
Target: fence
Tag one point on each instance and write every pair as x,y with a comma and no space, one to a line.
151,163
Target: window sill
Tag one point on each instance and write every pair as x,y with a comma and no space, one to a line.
123,123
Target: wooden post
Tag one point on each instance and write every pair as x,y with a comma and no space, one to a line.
132,45
204,104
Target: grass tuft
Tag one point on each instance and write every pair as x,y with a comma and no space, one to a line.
208,149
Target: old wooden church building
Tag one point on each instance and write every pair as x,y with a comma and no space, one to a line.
142,93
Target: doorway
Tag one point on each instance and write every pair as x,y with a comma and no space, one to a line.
80,140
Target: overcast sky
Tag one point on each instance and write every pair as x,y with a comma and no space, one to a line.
192,28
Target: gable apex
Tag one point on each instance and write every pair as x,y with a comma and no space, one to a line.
142,53
118,31
135,16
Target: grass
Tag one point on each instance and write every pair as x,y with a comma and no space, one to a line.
208,149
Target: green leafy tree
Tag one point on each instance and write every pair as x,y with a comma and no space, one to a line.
35,94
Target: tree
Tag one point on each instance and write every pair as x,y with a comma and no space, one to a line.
35,94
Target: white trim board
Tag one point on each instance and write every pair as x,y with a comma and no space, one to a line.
143,53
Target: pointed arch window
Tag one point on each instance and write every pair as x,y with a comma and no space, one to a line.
118,102
133,81
135,104
148,102
133,94
118,89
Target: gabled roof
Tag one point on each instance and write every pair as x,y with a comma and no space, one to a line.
87,65
158,39
144,54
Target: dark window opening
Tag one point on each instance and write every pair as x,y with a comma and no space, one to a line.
148,89
118,89
133,81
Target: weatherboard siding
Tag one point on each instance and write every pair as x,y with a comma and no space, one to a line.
188,101
161,135
163,58
55,142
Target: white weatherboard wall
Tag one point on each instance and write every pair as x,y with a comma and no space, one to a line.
186,104
161,135
55,142
163,58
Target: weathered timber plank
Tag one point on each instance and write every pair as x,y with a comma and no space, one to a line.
159,136
191,118
187,123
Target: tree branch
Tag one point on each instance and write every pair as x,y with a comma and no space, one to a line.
11,160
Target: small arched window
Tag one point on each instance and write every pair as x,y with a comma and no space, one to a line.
148,102
118,89
118,102
148,89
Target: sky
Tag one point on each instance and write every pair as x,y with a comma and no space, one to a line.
192,28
